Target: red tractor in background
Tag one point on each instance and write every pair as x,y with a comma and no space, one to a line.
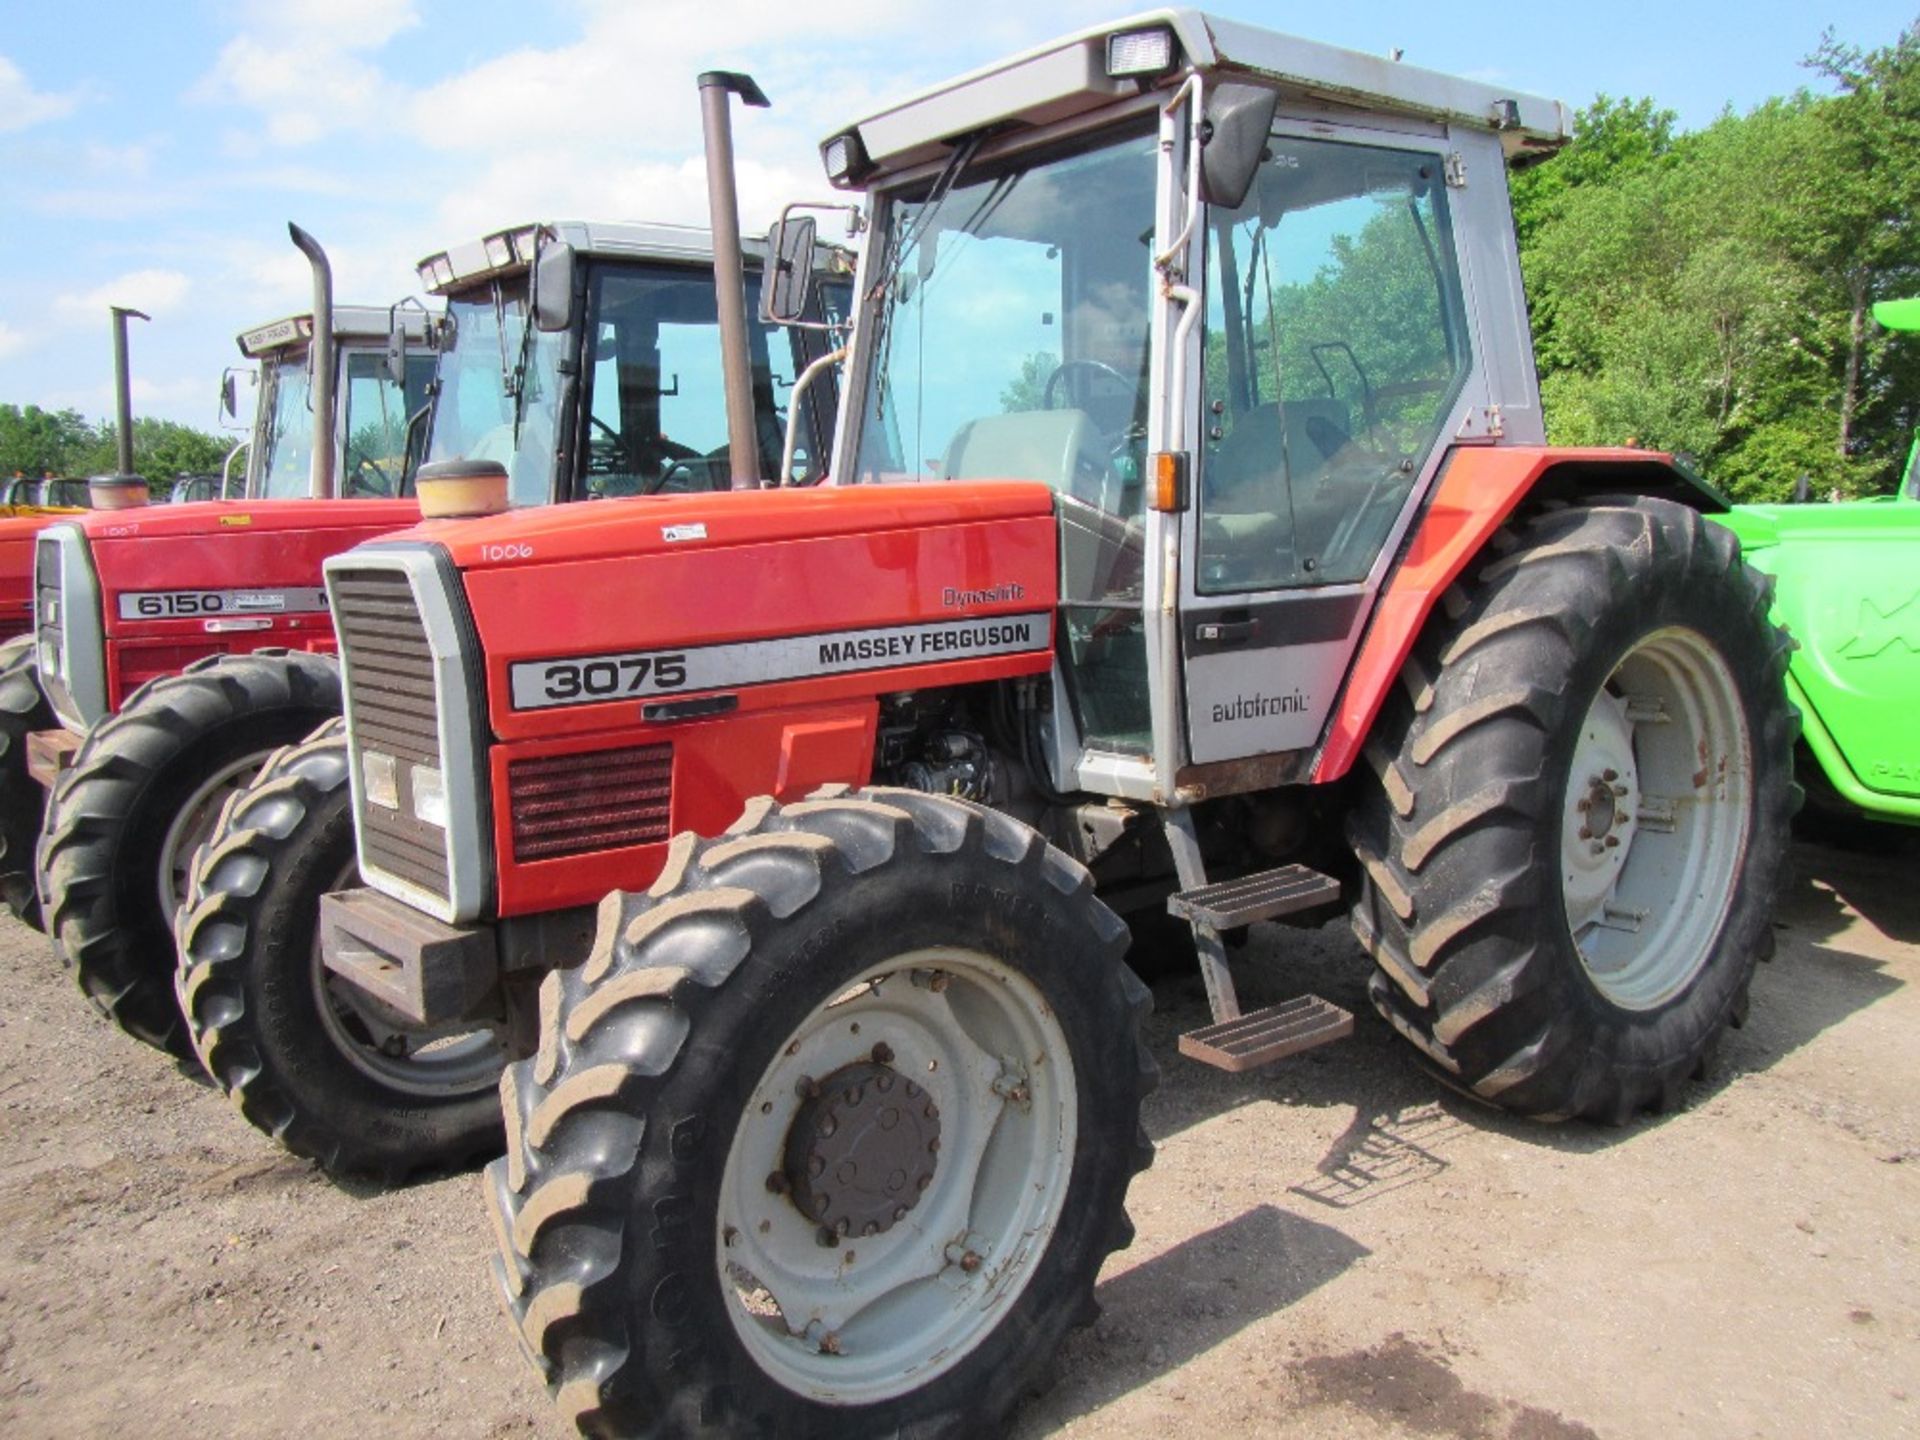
379,384
613,389
1216,564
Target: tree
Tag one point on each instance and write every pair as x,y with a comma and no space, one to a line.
38,442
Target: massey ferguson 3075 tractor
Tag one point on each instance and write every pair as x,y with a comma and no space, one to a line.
615,391
1190,524
1846,590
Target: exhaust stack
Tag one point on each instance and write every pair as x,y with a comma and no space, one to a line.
320,363
123,386
729,273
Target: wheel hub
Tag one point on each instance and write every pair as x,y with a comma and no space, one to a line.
862,1150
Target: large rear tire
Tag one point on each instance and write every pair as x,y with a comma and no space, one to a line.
726,1206
144,790
1570,861
23,804
311,1060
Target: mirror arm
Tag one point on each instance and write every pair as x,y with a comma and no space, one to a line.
795,410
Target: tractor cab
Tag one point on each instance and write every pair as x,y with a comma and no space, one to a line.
614,389
1241,323
374,407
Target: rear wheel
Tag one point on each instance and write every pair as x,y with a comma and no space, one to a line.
830,1134
1570,864
310,1059
23,804
144,790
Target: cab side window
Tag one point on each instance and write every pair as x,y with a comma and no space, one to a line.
1336,345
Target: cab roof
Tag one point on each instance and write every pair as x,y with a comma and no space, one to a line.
350,322
1068,77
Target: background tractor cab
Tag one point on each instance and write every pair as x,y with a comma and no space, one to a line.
373,406
615,388
1847,592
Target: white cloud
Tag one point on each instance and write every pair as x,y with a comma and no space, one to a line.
301,64
21,105
12,341
153,291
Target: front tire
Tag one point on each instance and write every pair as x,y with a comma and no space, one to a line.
1569,864
145,788
23,804
306,1057
689,1242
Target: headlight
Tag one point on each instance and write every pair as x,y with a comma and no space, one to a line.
380,778
430,796
845,158
1140,52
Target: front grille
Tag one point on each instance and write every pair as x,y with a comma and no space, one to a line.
395,712
600,800
46,601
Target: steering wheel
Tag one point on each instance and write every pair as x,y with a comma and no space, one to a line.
606,451
368,477
1097,368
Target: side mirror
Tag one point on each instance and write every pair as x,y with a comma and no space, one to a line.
786,285
553,287
229,397
1239,118
397,354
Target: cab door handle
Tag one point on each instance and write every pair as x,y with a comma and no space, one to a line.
1224,632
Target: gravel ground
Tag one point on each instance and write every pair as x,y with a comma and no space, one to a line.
1329,1248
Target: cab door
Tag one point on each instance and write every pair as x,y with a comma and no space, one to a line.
1338,365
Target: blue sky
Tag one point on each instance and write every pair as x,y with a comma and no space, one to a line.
151,153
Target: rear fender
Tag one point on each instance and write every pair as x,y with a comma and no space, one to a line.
1478,490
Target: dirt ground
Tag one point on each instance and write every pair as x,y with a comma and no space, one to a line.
1330,1248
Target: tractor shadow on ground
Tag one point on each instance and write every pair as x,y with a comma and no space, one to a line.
1185,1301
1828,885
1404,1118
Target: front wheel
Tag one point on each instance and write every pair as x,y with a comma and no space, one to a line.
23,804
830,1134
145,788
311,1060
1570,862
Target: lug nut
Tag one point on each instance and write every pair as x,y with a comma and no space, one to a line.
1613,841
883,1054
777,1182
805,1087
1609,775
828,1237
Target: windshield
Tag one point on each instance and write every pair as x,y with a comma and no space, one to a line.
473,417
375,420
284,453
656,399
1012,338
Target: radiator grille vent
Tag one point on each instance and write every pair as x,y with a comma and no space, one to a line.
600,800
395,712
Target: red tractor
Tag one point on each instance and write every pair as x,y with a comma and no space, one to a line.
1192,544
160,627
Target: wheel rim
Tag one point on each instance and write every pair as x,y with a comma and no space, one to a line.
918,1273
1657,808
193,822
433,1063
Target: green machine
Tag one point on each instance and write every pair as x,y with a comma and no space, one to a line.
1848,590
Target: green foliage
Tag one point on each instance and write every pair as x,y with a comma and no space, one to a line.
43,442
1710,292
1028,389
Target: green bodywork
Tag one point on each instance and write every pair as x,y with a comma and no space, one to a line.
1848,593
1847,590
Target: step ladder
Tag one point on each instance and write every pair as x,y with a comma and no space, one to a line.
1237,1040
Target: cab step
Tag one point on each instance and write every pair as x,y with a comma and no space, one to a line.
1270,1034
1230,904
